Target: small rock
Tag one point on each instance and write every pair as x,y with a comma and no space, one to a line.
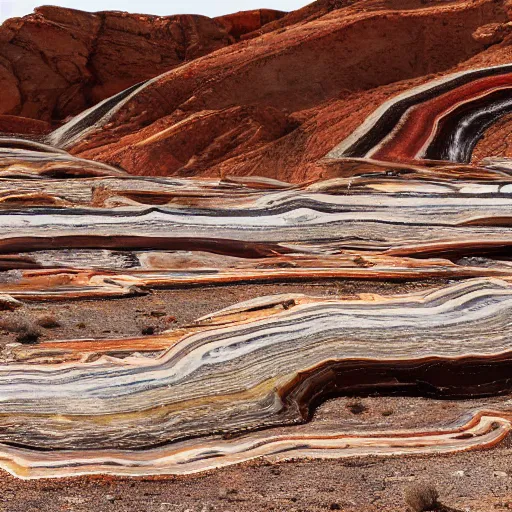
75,500
492,33
226,493
8,303
399,479
459,473
47,321
500,474
356,407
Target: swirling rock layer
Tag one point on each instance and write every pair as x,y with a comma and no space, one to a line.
230,155
221,390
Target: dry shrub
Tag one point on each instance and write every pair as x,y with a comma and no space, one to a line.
421,497
27,330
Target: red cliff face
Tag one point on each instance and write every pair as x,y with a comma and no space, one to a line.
57,62
247,22
274,103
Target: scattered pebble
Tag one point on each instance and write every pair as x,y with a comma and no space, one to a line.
356,407
8,303
47,321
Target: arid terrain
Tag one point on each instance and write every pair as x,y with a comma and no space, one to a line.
257,262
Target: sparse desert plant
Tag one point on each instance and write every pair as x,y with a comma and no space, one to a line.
356,407
422,496
148,330
28,337
26,329
13,324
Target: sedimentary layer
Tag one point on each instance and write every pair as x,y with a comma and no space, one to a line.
259,364
441,120
232,153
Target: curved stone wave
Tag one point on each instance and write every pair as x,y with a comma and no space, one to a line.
401,226
441,120
262,364
93,118
485,430
176,269
21,158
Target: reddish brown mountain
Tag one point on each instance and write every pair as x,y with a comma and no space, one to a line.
271,104
56,62
241,24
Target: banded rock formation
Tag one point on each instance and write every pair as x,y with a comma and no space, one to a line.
296,88
328,171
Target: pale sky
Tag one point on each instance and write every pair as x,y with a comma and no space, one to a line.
11,8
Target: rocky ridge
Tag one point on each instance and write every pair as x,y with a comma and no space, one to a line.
258,93
56,62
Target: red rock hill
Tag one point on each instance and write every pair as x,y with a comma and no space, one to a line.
273,103
56,62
